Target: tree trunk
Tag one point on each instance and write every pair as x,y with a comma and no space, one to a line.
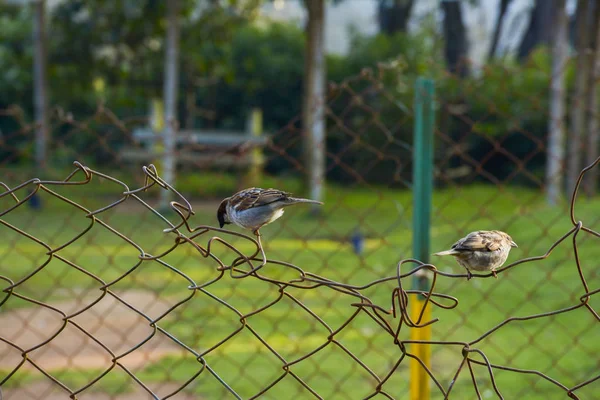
582,43
556,137
40,85
394,17
498,28
170,97
456,47
313,115
540,27
591,178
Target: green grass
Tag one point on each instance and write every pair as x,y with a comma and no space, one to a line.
563,346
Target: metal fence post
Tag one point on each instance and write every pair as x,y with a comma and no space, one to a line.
422,193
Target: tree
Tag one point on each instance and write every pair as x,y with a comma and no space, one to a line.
455,34
40,84
120,42
582,46
393,15
498,27
171,83
592,103
206,55
313,113
555,149
540,28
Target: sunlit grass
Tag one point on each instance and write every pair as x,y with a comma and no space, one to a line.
320,244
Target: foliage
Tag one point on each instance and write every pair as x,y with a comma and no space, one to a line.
506,99
16,79
266,64
231,62
507,102
123,45
113,53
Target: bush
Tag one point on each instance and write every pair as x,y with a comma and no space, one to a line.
261,65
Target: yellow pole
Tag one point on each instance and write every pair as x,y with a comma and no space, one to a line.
422,204
256,130
419,379
157,122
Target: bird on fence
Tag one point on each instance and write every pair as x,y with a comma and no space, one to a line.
481,251
254,208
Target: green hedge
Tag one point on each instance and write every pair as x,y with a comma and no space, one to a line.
262,66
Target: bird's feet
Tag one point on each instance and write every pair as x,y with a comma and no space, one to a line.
494,273
469,275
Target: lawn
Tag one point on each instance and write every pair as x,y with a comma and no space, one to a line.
565,346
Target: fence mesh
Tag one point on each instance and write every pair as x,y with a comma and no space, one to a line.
101,302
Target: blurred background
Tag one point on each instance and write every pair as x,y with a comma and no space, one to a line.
316,97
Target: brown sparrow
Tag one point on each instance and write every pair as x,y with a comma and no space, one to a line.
255,207
481,251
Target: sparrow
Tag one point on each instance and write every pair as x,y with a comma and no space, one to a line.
254,208
481,251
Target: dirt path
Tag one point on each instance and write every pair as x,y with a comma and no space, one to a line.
110,322
47,390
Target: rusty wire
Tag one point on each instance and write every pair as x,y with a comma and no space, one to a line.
354,96
245,266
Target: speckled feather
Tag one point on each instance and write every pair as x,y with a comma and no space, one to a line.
481,250
255,207
255,197
481,241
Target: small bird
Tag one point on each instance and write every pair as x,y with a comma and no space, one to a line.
481,251
254,208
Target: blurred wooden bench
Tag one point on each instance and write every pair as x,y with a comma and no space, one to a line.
220,149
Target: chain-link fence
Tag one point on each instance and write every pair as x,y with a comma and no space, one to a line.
109,295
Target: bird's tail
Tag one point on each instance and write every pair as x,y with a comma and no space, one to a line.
447,253
296,200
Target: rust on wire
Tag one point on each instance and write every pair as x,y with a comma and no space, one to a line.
246,266
390,319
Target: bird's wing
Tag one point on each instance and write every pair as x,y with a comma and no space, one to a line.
255,197
479,241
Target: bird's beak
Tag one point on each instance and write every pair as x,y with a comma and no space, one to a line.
513,244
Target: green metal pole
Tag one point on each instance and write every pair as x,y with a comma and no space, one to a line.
422,191
422,171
